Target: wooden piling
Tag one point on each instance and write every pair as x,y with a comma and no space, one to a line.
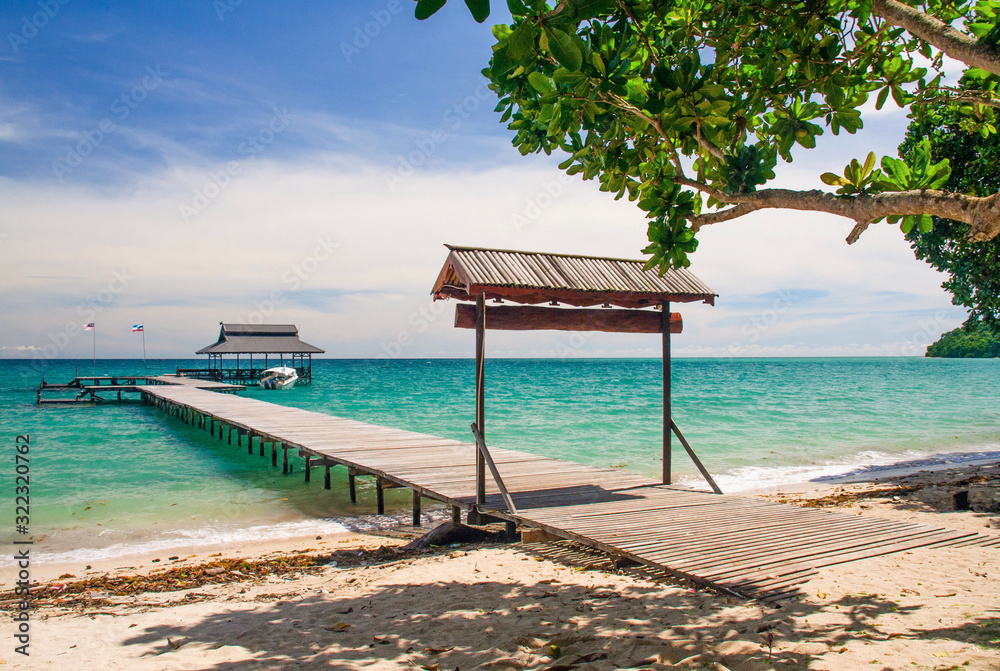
351,485
326,476
481,394
416,508
308,467
456,514
379,496
284,460
274,454
667,420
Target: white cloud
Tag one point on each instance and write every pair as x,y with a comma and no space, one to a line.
372,296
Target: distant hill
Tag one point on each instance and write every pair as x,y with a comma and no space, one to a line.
980,343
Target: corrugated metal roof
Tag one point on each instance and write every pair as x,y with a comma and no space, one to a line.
474,270
259,339
260,329
260,345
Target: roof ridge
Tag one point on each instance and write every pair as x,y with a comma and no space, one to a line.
459,248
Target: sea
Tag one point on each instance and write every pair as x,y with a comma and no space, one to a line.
121,479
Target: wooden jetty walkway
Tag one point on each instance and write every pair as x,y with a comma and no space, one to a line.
96,388
744,546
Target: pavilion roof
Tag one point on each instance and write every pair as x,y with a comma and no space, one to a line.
259,339
534,277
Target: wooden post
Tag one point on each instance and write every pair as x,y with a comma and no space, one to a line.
284,462
480,394
326,476
249,443
260,439
230,435
416,508
667,419
308,466
379,496
456,514
274,453
352,485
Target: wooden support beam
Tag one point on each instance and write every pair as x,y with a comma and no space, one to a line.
308,466
538,536
274,454
480,323
379,497
456,514
352,485
284,462
326,476
532,318
416,508
666,316
697,462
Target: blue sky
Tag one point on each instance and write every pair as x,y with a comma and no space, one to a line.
185,163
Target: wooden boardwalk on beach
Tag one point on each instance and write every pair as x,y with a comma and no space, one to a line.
745,546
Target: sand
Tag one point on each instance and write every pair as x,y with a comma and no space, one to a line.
543,606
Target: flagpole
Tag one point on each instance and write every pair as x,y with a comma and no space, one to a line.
95,349
144,348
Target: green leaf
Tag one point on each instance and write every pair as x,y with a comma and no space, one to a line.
521,43
869,163
541,83
833,179
564,76
480,9
427,8
516,7
564,49
882,95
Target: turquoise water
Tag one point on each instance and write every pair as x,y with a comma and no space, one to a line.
108,479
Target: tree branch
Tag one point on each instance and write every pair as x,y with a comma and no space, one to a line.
952,95
939,34
982,214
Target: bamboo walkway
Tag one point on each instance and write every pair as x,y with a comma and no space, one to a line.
745,546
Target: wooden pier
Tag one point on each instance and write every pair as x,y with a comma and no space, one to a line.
744,546
105,388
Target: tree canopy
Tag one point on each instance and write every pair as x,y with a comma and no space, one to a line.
686,106
973,267
979,342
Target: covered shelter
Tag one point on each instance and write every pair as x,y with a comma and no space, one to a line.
606,294
274,345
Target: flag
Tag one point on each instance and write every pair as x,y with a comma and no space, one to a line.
136,328
88,327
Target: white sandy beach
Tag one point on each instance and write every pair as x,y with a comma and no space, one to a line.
541,606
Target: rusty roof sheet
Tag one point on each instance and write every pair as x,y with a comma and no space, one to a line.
576,280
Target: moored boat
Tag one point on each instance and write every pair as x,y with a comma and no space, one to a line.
280,377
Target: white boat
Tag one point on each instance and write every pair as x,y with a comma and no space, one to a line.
281,377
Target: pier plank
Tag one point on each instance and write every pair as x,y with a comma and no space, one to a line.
744,546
